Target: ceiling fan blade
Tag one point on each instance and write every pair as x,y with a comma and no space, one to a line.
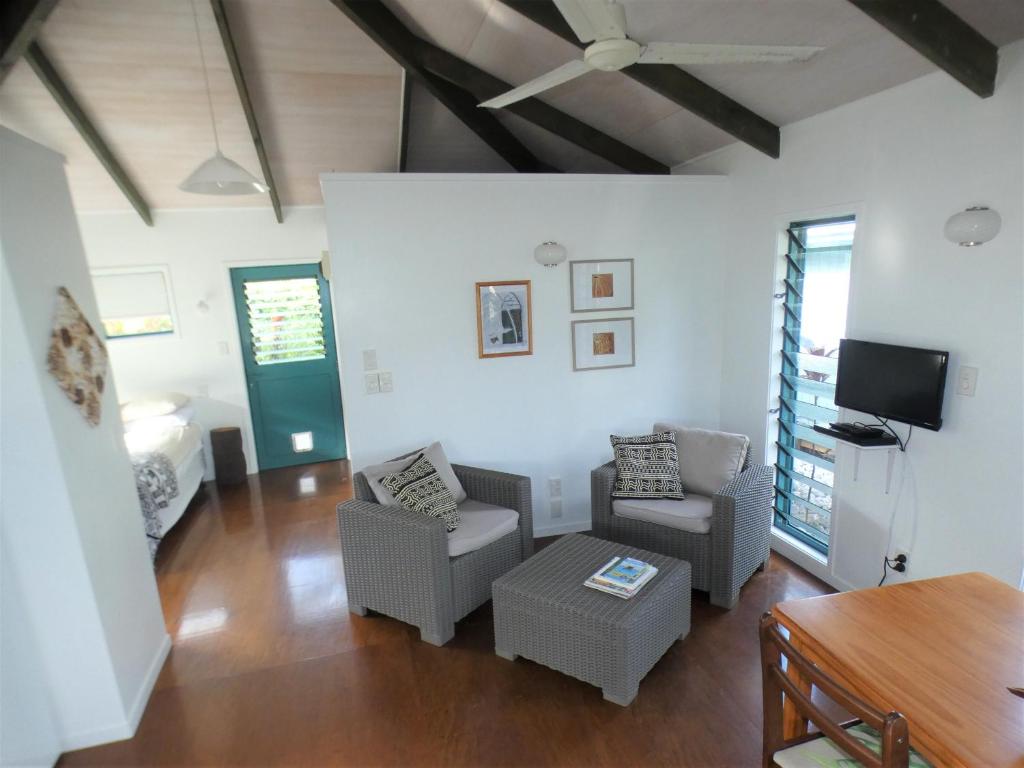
563,74
704,53
594,19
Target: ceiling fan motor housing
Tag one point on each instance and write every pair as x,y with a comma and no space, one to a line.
612,55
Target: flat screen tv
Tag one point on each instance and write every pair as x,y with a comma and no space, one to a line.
901,383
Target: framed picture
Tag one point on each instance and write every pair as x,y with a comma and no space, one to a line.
504,325
602,344
598,286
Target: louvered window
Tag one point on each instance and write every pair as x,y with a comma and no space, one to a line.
285,320
815,290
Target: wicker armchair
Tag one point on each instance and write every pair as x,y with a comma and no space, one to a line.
723,559
396,561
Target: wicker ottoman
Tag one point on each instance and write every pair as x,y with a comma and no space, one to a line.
543,612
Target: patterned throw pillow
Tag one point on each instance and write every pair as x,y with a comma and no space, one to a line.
647,467
419,488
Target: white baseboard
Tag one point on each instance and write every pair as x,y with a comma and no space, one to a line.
562,528
124,729
146,689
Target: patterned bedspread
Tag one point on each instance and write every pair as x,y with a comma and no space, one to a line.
157,484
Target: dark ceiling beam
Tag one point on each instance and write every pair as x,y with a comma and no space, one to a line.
20,22
220,14
384,28
66,100
940,36
674,84
403,135
485,86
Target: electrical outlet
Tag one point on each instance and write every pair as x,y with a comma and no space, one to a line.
386,382
555,487
556,508
901,557
966,380
372,382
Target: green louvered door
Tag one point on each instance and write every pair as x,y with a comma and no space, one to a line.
291,367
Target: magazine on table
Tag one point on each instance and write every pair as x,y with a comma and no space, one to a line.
622,576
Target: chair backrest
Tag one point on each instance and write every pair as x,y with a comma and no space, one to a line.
891,726
361,488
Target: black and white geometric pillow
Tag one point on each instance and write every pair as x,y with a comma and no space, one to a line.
647,467
419,488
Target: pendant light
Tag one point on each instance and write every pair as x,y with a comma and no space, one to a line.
219,175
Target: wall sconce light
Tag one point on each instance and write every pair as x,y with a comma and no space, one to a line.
974,226
549,254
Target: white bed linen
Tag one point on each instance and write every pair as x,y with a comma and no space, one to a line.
183,445
177,442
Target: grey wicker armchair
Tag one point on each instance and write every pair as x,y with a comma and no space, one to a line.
723,559
396,562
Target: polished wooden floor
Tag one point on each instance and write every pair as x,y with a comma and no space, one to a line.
269,668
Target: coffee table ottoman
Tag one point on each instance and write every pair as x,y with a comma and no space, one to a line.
543,612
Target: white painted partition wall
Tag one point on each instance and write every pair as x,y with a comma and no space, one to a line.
904,160
76,564
406,251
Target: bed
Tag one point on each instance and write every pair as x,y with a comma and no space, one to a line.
166,449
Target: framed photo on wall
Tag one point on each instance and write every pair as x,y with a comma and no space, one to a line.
599,286
600,344
504,324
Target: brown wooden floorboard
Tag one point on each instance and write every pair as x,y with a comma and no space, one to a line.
269,668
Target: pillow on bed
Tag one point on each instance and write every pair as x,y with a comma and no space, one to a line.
162,404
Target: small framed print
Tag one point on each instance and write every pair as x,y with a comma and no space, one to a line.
600,344
504,324
599,286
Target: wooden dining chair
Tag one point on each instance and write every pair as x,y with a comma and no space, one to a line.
876,739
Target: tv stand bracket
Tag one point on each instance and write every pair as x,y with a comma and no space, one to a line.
890,460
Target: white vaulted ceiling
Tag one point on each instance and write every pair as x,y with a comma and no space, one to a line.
328,99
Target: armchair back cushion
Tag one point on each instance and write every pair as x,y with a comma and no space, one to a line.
434,454
707,459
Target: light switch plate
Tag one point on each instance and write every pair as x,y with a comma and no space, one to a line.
555,487
369,359
966,380
372,381
222,347
386,383
556,508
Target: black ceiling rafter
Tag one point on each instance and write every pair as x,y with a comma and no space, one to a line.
485,86
940,36
220,14
47,73
384,28
403,130
674,84
20,23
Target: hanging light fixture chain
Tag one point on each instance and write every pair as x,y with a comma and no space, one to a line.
206,76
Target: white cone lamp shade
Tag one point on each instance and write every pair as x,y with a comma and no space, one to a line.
222,176
549,254
973,227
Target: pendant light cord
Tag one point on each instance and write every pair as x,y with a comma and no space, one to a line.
206,76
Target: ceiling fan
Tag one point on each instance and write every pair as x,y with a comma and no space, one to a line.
602,23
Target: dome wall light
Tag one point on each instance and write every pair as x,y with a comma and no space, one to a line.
974,226
549,253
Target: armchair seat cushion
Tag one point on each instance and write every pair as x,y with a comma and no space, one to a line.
692,514
481,525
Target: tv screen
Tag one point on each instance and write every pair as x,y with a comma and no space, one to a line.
900,383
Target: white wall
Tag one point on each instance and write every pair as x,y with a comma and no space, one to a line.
406,251
73,533
203,359
904,160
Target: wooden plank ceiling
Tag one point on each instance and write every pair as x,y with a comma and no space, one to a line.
328,99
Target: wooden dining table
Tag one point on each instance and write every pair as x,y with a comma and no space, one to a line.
941,651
